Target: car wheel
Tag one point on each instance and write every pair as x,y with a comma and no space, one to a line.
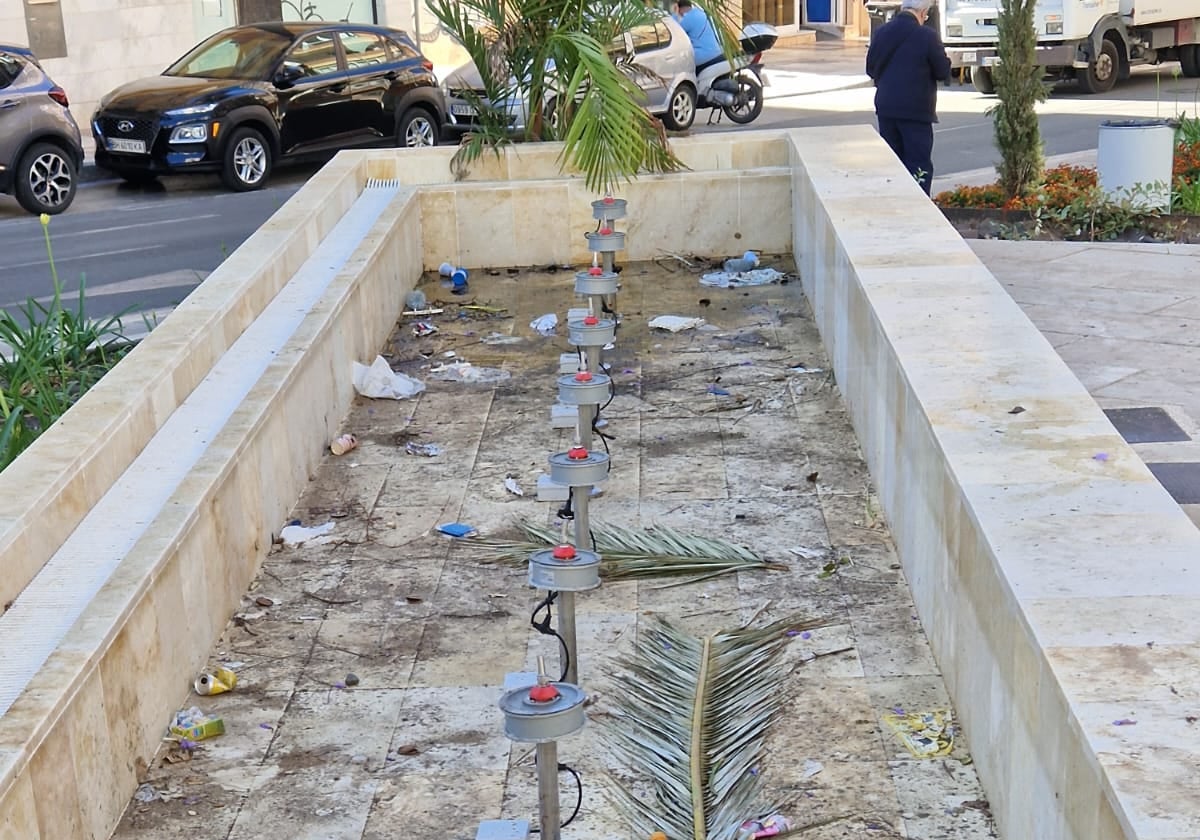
45,179
681,111
416,129
981,78
247,163
749,102
1102,71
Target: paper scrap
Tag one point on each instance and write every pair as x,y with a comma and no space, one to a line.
675,323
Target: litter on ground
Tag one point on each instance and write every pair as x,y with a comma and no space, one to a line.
924,734
298,534
675,323
545,324
379,381
737,279
468,373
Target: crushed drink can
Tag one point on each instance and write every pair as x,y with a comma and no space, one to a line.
218,681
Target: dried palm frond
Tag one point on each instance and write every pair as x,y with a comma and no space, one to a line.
690,717
629,553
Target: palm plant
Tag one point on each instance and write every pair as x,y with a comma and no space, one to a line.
628,553
691,715
557,55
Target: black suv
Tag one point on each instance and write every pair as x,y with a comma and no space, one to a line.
255,94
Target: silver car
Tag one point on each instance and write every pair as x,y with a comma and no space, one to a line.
40,149
660,47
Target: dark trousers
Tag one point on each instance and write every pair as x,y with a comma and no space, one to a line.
912,141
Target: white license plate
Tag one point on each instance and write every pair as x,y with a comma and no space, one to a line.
969,57
991,60
462,110
118,144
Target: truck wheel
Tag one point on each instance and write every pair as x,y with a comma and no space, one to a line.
981,77
1189,60
1101,73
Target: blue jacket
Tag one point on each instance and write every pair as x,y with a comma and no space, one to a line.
906,88
701,33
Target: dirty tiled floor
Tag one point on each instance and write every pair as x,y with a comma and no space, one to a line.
416,747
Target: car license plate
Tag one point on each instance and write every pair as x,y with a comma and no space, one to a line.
991,60
120,144
460,110
969,57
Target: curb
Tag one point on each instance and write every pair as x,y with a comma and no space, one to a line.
89,173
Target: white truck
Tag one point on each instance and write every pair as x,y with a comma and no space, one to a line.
1094,41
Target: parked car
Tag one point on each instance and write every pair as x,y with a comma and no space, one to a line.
40,150
254,95
660,47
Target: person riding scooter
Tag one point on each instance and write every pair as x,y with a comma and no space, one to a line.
700,32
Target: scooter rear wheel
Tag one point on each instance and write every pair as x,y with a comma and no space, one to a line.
749,102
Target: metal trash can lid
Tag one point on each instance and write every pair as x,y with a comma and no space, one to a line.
1148,122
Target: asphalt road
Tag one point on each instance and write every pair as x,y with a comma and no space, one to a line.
140,249
144,249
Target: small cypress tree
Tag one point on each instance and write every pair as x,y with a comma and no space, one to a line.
1018,82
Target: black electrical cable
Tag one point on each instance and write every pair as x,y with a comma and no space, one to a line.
545,629
578,788
578,798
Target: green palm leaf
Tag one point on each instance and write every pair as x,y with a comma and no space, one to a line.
691,715
630,553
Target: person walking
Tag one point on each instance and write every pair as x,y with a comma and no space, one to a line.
700,31
906,60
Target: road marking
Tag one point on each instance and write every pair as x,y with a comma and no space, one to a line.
136,225
86,256
180,278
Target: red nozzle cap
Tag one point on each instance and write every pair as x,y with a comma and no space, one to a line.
543,693
606,231
583,376
563,552
591,320
577,453
608,199
595,271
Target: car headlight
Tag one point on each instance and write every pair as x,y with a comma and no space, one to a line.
191,110
1054,28
954,30
190,133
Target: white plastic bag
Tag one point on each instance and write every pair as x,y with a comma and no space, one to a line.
379,381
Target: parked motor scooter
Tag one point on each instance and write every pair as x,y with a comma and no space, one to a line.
737,90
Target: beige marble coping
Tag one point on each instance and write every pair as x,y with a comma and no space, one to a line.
1056,578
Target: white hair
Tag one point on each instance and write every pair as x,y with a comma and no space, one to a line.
916,5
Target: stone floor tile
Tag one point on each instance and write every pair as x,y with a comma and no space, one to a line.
890,641
445,803
941,800
449,726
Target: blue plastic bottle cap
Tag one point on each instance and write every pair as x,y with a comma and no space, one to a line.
459,277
